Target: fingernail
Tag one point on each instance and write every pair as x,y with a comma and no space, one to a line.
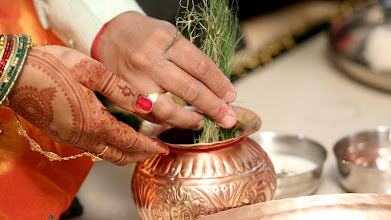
228,121
163,154
229,97
162,145
144,103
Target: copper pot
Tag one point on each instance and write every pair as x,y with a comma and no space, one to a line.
196,180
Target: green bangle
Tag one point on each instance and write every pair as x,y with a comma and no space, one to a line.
22,54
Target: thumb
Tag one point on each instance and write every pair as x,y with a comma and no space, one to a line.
97,77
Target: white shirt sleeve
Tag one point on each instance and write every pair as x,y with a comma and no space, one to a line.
77,22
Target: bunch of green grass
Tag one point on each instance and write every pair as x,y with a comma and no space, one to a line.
213,26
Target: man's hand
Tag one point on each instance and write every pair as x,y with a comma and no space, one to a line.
134,47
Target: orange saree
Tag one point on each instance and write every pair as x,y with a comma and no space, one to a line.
32,187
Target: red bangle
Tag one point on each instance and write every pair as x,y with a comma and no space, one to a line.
94,49
7,53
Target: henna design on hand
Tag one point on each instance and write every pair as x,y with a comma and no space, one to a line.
35,105
93,75
96,77
65,106
58,75
126,91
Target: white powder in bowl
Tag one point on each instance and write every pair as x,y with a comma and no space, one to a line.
288,165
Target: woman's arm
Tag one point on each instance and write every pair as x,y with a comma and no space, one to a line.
56,93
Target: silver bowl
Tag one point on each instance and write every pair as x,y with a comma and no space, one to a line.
364,161
298,162
358,47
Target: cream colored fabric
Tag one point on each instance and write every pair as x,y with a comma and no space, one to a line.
77,22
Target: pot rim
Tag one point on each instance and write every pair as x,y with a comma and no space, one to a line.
250,123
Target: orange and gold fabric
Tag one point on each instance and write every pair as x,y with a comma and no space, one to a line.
32,187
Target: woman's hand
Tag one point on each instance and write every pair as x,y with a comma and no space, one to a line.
55,92
134,47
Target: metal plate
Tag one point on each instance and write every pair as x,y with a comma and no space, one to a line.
336,207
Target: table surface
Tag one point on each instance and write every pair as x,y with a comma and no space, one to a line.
300,92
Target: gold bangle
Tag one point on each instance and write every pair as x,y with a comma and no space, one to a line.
7,78
4,77
21,55
14,66
5,104
3,44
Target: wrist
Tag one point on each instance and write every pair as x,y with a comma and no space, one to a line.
112,32
94,48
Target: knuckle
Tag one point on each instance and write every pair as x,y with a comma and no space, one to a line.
122,160
166,112
143,59
215,112
164,32
203,68
191,91
221,85
133,144
139,59
191,124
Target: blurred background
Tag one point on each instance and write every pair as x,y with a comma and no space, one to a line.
315,67
264,23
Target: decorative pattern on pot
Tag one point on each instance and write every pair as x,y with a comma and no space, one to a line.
203,179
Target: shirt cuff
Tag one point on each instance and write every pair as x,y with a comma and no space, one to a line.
77,22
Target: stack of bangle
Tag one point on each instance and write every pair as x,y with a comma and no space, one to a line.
13,53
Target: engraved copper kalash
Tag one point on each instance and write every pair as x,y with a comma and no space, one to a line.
196,180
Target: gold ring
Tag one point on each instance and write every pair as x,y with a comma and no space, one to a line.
97,157
104,150
154,96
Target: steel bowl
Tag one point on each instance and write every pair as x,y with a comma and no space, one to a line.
364,161
350,50
321,207
298,162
